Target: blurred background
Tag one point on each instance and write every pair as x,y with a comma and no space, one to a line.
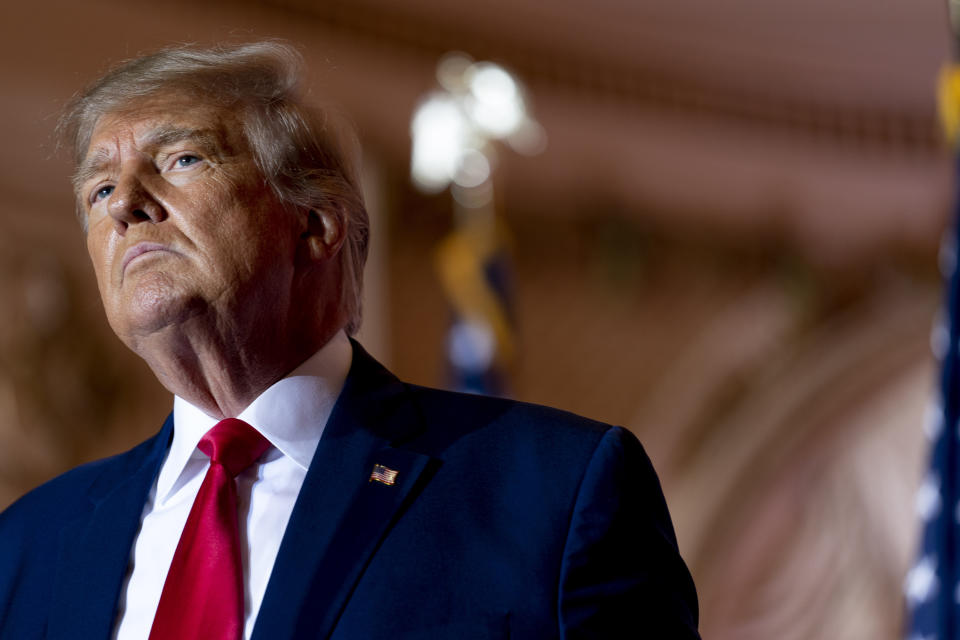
723,236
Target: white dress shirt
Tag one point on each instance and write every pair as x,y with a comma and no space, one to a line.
291,414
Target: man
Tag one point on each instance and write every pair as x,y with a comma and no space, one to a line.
299,490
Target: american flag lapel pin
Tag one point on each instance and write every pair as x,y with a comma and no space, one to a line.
383,475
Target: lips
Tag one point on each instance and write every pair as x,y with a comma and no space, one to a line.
139,249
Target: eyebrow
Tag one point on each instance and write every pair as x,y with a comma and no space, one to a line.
207,140
166,135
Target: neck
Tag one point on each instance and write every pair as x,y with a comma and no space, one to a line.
221,369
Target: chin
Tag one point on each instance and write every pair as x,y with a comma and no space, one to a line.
153,305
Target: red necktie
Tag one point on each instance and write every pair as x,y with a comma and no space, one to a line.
203,595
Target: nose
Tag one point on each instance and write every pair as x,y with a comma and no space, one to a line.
131,203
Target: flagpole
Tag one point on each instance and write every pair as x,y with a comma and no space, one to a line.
949,452
932,586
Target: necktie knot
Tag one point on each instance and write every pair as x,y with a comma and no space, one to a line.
234,444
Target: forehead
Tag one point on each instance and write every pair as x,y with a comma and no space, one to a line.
157,118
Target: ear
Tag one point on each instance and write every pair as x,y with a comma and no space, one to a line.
324,233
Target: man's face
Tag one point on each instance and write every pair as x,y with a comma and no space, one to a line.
181,224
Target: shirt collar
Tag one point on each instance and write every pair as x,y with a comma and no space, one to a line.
291,413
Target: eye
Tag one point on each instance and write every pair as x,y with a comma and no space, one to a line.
102,192
185,161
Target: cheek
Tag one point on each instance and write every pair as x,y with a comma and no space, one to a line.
96,249
101,246
265,228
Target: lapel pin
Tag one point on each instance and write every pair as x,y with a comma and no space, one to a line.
383,475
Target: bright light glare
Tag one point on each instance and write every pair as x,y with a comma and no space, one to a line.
440,133
452,71
452,127
495,104
473,169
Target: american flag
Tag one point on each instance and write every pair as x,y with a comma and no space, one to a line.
383,475
932,585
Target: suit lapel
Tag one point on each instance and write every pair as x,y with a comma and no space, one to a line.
95,548
342,514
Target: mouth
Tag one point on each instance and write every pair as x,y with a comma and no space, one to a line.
140,249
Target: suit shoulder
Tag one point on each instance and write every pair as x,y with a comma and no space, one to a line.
459,417
59,496
440,402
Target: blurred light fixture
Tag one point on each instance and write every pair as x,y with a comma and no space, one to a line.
495,104
452,127
440,135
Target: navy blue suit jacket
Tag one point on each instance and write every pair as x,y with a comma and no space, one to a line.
507,520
